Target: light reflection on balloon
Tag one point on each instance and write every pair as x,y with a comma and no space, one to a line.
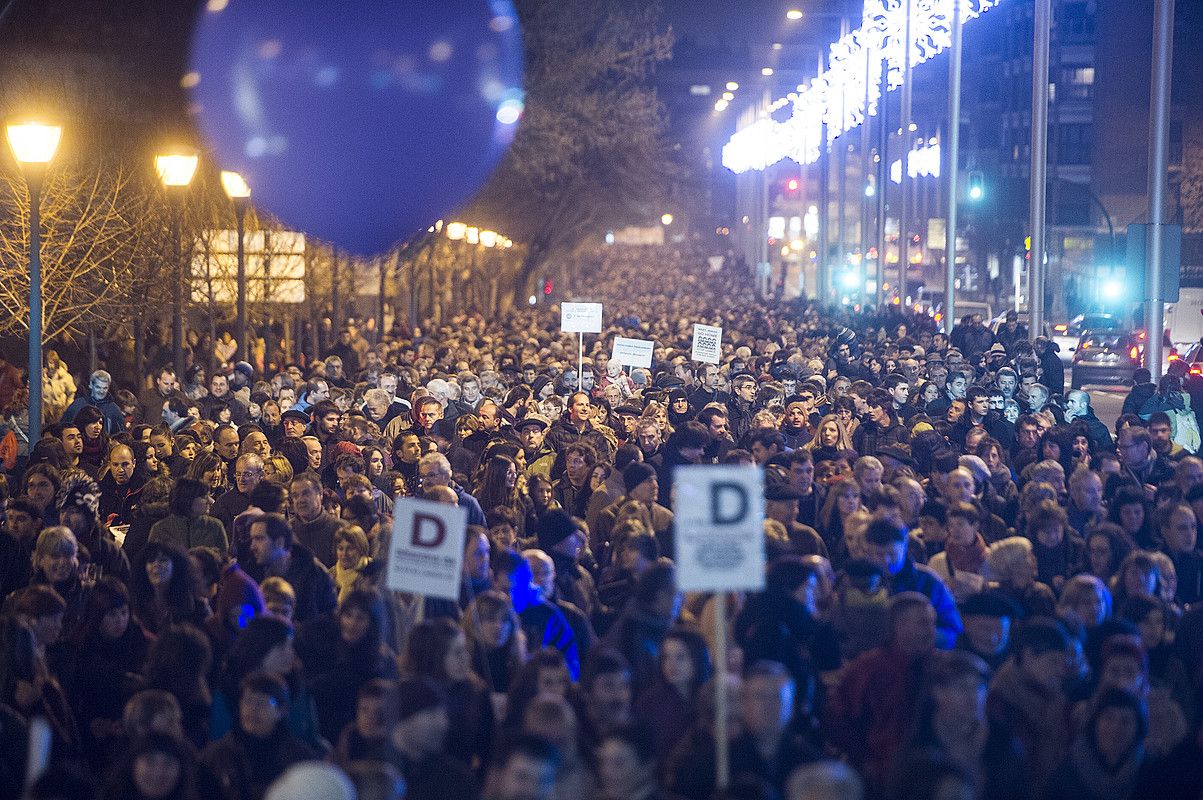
361,122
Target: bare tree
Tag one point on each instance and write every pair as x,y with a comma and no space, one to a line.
89,229
590,152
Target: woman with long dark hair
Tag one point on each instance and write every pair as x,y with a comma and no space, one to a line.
164,588
498,486
341,652
438,650
90,422
667,707
112,650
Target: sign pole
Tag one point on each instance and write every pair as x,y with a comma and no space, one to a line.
722,747
580,359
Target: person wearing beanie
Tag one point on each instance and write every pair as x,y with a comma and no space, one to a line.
640,484
419,736
562,538
988,617
79,509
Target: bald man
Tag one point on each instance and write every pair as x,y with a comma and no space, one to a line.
121,486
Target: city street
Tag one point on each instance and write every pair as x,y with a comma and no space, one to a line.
1107,402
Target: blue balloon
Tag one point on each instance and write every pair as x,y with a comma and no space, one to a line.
358,122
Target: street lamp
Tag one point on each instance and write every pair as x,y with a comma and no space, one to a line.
176,171
240,194
33,145
456,231
794,14
666,219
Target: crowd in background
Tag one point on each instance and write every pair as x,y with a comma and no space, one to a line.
975,588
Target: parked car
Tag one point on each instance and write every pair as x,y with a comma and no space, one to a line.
1106,357
1068,334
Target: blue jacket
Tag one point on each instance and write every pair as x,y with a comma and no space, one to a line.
918,578
476,516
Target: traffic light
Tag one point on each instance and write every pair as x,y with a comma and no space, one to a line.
547,287
792,186
976,188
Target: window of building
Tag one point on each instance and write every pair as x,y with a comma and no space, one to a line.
1076,145
1077,82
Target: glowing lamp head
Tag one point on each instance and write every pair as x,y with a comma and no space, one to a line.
472,235
870,190
975,193
456,231
235,185
176,169
850,280
767,72
666,219
488,238
794,14
1112,290
532,300
33,142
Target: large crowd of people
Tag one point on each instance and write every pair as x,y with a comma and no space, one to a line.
974,587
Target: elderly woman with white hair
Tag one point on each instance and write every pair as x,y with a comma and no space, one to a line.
1011,565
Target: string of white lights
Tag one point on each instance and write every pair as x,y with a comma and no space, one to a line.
837,97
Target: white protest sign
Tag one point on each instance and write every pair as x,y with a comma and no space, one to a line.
581,317
707,343
633,352
427,551
719,528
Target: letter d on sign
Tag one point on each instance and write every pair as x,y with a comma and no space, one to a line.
428,531
722,496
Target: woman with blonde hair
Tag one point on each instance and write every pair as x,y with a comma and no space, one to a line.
1011,564
351,550
830,436
277,469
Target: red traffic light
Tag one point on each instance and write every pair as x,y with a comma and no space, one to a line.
792,184
547,286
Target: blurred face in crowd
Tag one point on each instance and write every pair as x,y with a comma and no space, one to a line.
802,475
766,704
987,635
1087,493
314,450
610,697
259,714
959,486
914,631
166,383
306,499
1180,531
219,386
225,443
956,387
429,414
620,769
99,387
526,778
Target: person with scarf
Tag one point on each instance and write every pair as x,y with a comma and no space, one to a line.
964,555
678,408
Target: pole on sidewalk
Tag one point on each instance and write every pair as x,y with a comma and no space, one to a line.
904,239
954,155
1159,117
1039,165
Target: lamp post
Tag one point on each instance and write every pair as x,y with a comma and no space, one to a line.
33,144
176,171
240,194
